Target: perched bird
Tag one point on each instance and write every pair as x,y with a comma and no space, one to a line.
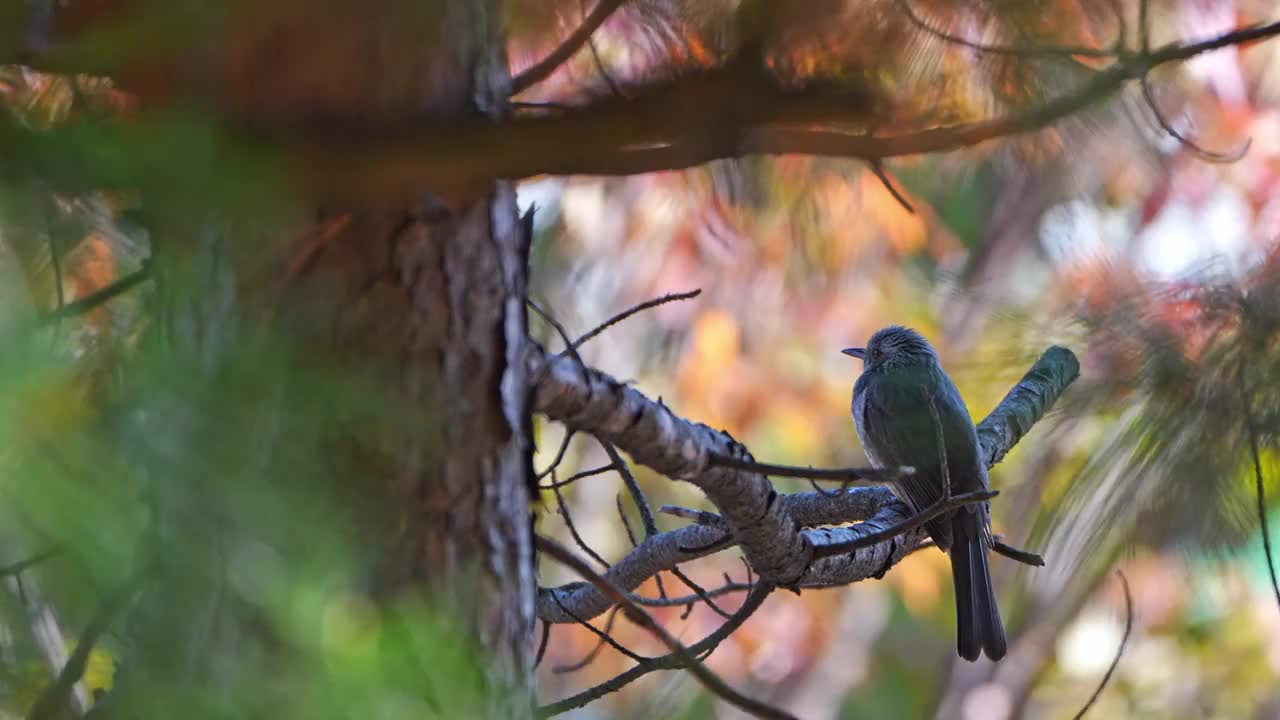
908,412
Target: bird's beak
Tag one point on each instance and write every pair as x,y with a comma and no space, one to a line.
859,353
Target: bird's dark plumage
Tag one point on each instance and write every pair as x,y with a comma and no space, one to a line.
903,404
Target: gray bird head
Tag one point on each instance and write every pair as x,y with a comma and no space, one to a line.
894,346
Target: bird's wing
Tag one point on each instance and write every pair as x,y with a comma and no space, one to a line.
895,425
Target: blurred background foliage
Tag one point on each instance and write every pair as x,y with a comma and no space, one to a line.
1102,234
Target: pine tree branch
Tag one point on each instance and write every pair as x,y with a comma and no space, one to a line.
766,525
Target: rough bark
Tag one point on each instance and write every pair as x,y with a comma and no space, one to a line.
431,292
415,299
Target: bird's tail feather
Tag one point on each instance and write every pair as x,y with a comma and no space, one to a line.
978,624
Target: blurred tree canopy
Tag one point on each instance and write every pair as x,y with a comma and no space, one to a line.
267,441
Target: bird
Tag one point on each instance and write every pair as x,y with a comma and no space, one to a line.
907,412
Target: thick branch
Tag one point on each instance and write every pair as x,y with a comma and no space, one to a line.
1026,403
730,111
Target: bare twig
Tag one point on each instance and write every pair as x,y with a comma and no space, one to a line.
542,644
91,301
1259,489
564,447
576,477
685,657
599,63
701,517
877,167
651,524
911,523
655,302
1024,51
1124,639
876,476
613,137
1144,26
573,530
569,347
53,700
542,69
1201,152
603,635
591,654
21,565
1013,553
633,487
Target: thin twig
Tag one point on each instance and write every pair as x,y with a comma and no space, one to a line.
911,523
564,447
604,636
1204,154
729,587
576,477
21,565
98,297
651,524
1124,639
591,655
542,644
570,348
1013,553
866,476
626,524
599,63
877,167
53,700
573,530
709,679
701,650
698,517
1259,487
542,69
655,302
1144,27
1028,51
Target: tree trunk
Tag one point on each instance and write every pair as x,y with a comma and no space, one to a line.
418,301
431,290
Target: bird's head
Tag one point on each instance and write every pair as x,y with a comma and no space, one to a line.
894,346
